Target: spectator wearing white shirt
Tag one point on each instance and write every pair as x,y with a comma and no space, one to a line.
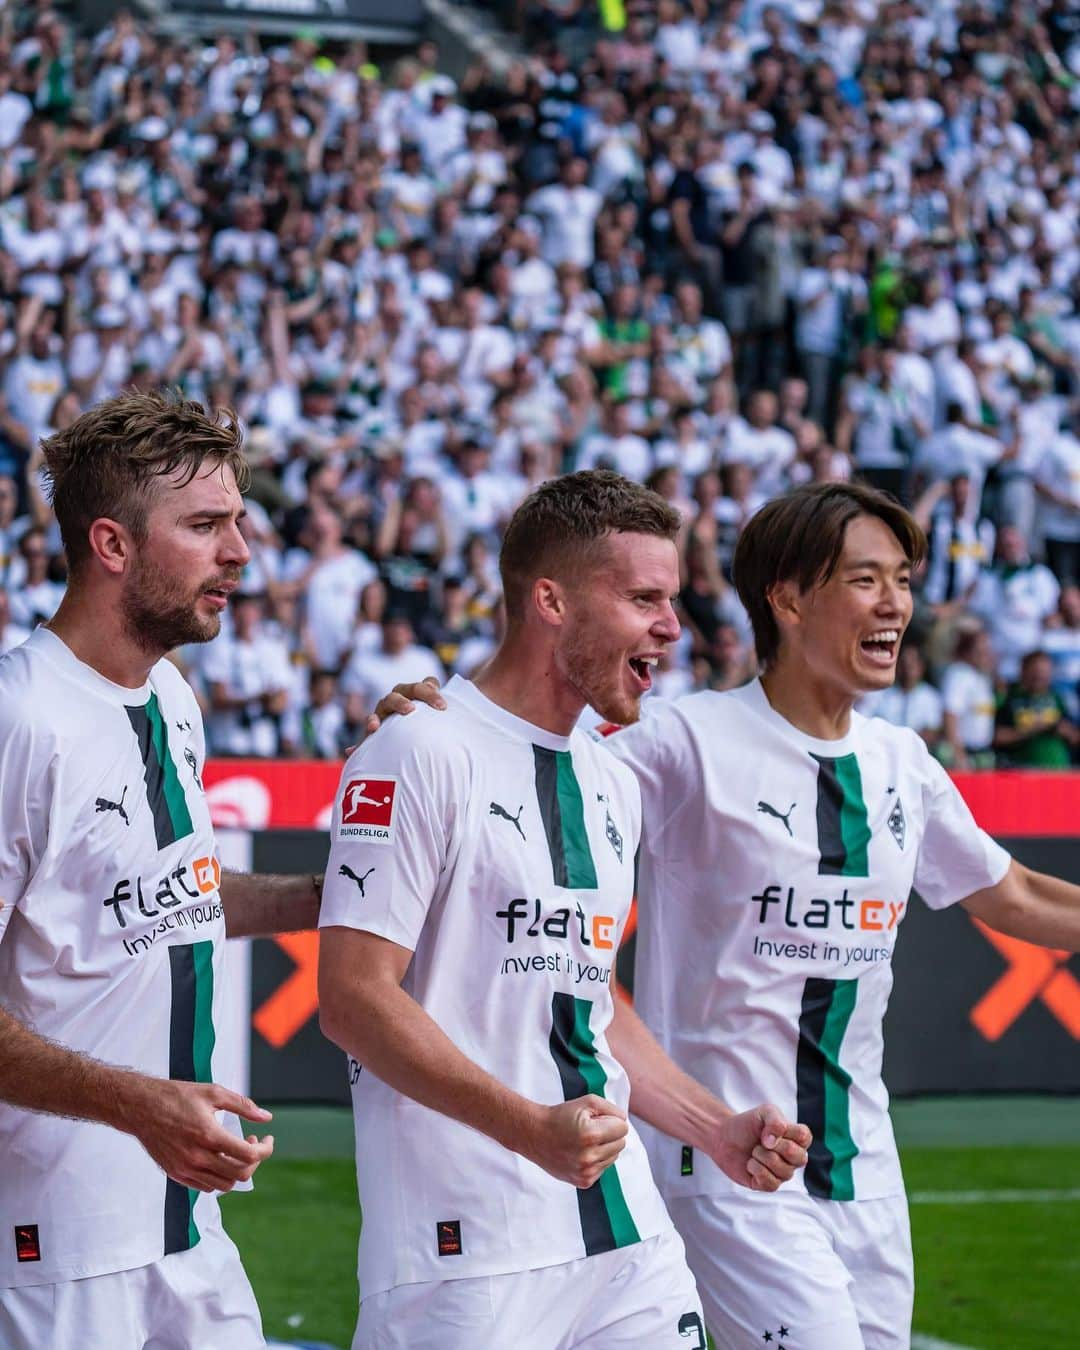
959,448
1057,484
1015,597
567,211
329,577
247,676
34,378
617,447
1061,640
967,692
399,660
758,440
827,297
440,131
911,702
35,594
474,499
11,634
317,729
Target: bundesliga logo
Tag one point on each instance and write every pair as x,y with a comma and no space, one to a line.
367,810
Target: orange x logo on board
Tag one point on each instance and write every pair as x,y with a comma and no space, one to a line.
294,1002
1034,973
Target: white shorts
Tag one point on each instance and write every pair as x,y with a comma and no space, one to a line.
627,1299
194,1300
829,1274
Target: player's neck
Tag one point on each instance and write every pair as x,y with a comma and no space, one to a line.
811,705
525,681
94,634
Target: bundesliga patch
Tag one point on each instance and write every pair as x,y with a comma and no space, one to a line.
897,823
367,810
448,1237
27,1246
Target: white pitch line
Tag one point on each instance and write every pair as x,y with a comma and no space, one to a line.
932,1343
992,1197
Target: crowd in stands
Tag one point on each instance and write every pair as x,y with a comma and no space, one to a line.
723,248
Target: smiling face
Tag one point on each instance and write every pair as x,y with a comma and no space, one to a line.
618,623
182,574
847,632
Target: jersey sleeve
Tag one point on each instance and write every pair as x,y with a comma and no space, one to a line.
656,749
389,834
956,857
25,801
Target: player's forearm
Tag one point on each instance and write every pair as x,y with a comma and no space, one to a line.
384,1029
660,1092
260,905
1032,906
39,1075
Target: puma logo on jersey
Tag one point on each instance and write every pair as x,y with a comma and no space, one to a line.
103,804
496,810
772,811
344,871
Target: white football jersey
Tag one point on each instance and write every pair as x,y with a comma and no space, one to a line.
111,943
503,857
775,872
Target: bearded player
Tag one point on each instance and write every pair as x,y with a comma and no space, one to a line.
506,1198
114,910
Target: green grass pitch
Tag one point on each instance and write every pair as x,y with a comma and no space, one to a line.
991,1274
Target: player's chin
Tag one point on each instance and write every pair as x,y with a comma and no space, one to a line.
617,705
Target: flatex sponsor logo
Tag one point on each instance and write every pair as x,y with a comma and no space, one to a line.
368,810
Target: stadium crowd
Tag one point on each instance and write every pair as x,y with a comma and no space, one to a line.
722,248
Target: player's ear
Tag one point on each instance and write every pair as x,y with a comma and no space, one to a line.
111,545
549,601
785,599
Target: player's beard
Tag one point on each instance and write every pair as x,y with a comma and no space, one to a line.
596,678
160,613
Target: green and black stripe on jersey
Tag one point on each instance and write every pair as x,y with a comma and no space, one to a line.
842,826
823,1087
191,1046
164,791
606,1221
563,813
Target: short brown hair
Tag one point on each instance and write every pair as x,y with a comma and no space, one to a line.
799,537
112,457
557,528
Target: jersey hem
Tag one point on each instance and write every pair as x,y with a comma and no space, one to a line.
513,1265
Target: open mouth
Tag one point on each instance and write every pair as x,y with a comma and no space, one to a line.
882,646
219,595
642,667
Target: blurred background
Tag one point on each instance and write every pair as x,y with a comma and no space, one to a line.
435,253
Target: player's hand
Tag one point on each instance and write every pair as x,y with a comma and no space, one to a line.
180,1130
760,1149
578,1140
403,699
